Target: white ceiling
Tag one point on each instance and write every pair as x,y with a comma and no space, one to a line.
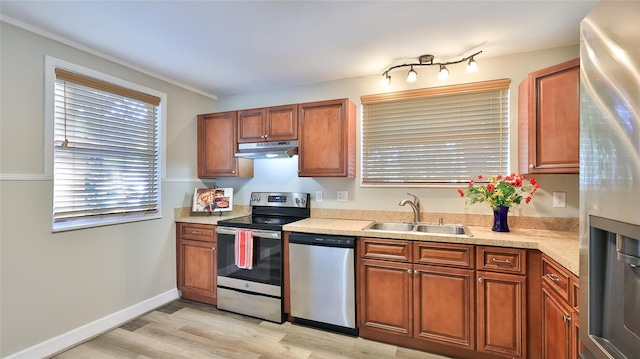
231,47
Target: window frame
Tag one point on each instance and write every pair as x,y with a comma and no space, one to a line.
466,88
51,63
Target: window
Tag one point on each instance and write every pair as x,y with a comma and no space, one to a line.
436,135
106,160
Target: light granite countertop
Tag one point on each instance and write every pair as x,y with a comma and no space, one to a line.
562,246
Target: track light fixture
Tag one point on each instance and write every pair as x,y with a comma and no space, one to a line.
427,60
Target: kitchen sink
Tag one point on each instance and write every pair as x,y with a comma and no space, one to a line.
458,230
391,226
442,229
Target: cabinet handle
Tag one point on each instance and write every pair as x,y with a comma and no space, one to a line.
196,232
213,248
233,172
506,261
409,271
480,279
266,136
415,271
566,318
553,277
531,166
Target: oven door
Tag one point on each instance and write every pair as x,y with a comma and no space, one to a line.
267,257
258,291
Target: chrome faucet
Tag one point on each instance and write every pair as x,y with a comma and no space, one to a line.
415,205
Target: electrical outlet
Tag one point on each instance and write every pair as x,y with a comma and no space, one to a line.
343,196
318,196
560,199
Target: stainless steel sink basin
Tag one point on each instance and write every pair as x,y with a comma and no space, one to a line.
391,226
441,229
458,230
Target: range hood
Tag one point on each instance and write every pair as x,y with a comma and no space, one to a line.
275,149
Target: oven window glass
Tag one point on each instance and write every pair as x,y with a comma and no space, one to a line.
267,260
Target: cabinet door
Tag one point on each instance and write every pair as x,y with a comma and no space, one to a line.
217,146
282,123
444,303
327,139
197,270
556,325
385,297
501,319
251,125
549,120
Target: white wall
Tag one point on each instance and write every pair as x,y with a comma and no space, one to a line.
53,283
281,174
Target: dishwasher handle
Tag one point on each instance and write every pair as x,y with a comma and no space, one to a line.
322,240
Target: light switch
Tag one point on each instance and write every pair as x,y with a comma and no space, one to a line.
318,196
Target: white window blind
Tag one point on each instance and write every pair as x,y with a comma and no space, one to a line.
106,150
440,135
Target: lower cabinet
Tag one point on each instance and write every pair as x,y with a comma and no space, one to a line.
196,262
501,315
501,303
560,325
444,304
386,297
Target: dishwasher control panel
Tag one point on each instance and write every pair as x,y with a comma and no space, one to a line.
322,240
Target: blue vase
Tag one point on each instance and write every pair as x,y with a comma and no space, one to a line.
500,223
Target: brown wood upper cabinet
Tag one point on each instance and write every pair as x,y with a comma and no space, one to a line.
548,120
327,135
278,123
217,147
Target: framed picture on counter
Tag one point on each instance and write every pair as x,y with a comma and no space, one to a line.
212,200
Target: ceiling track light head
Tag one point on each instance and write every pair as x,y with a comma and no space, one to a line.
427,60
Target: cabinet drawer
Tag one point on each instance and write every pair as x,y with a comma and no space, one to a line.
556,277
499,259
445,254
196,232
385,249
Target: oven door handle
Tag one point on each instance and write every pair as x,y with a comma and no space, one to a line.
255,232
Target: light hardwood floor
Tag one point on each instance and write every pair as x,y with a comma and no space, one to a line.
185,329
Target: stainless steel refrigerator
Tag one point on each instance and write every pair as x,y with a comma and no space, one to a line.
610,180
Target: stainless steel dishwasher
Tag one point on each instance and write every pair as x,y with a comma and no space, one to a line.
322,281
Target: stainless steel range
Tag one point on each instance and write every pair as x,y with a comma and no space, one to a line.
258,291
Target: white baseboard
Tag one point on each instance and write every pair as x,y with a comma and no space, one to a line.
90,330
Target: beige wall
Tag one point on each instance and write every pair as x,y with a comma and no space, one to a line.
53,283
281,174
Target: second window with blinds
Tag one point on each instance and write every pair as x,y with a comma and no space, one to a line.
441,135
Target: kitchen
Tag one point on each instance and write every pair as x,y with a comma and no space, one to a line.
69,280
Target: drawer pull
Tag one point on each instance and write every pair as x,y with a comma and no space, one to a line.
213,248
415,271
409,271
506,261
196,232
553,277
